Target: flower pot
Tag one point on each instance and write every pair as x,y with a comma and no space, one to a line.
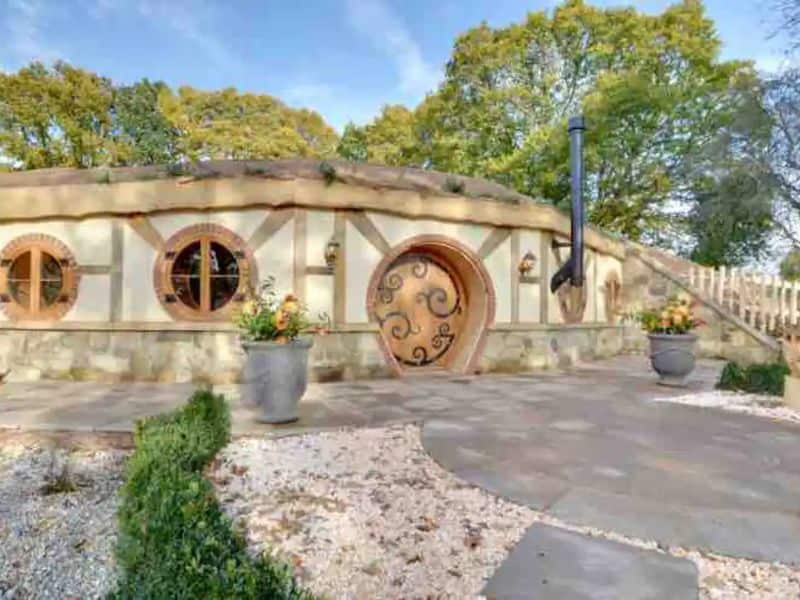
672,357
275,378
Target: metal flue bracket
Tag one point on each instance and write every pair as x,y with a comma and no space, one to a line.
572,270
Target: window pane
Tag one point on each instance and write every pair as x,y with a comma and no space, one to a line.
19,279
188,261
222,290
186,275
52,281
187,289
224,275
222,261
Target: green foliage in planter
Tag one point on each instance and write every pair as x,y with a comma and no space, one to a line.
764,378
174,540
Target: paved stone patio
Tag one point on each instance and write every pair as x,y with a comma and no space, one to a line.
585,445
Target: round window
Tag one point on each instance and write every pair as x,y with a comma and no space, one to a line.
203,272
39,280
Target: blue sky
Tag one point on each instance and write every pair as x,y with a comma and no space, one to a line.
344,58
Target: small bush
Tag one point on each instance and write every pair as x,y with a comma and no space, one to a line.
765,378
454,186
174,540
328,172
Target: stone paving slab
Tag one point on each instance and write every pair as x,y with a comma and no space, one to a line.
599,453
551,563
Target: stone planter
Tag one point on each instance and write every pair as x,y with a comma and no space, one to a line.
672,357
275,378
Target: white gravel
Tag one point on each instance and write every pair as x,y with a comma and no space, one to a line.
770,407
57,545
368,514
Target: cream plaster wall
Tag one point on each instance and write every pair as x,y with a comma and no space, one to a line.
94,300
498,264
530,293
397,230
276,258
319,230
319,296
242,222
362,260
88,240
139,301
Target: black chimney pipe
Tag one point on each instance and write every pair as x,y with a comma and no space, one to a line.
573,268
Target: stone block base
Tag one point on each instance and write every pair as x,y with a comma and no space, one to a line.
791,392
217,357
545,347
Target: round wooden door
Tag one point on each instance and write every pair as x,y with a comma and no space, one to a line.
421,309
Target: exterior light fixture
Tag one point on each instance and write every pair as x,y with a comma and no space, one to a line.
526,264
331,253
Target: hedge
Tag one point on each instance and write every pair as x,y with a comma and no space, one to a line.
174,540
764,378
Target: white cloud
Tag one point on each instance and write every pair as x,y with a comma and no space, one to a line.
24,38
376,20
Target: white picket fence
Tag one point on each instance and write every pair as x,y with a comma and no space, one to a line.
765,302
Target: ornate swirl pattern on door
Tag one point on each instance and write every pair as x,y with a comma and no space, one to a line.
421,308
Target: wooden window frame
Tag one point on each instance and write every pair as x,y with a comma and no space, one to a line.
37,244
205,234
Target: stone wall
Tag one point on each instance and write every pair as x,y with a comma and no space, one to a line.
544,347
169,356
651,277
215,356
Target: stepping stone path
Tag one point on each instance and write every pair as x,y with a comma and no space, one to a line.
554,563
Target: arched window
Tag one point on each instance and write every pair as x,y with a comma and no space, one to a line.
38,278
203,272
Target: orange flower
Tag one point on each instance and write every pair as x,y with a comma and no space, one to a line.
280,320
281,339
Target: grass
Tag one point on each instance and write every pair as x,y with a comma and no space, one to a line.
174,540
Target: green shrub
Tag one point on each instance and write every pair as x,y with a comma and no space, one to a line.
174,540
765,378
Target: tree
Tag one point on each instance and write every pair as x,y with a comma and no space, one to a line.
65,116
783,103
227,124
389,140
144,134
789,11
56,117
790,265
353,144
653,90
732,222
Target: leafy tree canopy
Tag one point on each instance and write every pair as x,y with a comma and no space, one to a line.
663,110
66,116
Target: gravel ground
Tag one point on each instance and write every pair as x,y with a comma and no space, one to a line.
770,407
57,544
367,513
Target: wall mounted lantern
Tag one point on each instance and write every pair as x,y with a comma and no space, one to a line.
331,253
526,264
